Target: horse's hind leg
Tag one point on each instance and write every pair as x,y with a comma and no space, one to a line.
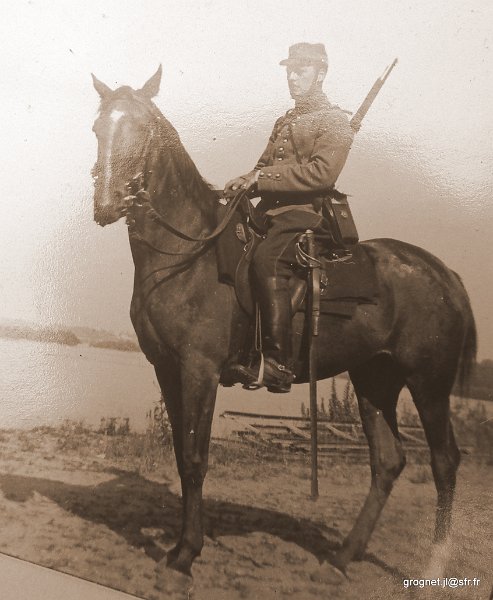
433,405
377,385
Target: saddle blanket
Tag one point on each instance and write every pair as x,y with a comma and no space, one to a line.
344,284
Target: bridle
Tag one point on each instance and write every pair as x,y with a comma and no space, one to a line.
137,204
138,199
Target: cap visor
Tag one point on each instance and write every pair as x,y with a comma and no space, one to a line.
295,61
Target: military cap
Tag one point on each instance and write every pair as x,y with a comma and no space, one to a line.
306,54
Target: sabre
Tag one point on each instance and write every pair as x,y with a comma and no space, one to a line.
359,115
313,312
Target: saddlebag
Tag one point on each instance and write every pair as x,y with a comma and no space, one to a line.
335,209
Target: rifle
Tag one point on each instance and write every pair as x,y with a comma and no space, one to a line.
359,115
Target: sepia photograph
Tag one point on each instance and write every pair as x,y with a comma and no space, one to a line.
246,345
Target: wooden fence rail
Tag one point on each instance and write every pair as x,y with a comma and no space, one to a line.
293,433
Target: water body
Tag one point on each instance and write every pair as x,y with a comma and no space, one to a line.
46,383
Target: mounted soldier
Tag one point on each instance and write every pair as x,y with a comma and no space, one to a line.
419,333
305,154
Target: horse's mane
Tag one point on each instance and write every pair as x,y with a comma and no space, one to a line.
180,161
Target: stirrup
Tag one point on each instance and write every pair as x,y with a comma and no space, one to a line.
274,376
256,385
280,377
250,376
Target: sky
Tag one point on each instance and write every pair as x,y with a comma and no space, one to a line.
420,170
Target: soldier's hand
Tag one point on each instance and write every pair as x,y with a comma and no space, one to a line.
245,182
231,188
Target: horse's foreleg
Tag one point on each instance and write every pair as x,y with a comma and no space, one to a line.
170,384
377,391
198,393
168,376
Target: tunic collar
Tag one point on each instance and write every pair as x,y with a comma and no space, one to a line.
312,103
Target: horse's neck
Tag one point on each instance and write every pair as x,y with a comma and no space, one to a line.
179,194
179,203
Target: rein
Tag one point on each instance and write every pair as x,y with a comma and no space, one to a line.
139,197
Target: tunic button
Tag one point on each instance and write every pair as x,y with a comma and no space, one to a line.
280,158
281,149
261,174
278,176
285,141
269,174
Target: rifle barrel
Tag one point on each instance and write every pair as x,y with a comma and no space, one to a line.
388,70
359,115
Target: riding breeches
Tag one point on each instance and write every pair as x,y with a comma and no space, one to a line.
276,254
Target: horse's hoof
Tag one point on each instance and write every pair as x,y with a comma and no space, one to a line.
339,564
328,574
180,566
180,559
172,554
174,583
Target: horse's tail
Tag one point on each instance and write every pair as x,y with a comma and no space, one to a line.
467,358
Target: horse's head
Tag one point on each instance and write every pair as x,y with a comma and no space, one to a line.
123,129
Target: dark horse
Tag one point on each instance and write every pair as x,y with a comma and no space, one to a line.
420,335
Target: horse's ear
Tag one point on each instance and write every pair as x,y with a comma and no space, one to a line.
151,87
101,88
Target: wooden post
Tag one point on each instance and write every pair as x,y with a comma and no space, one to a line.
313,319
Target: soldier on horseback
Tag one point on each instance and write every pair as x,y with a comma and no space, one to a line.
420,332
305,154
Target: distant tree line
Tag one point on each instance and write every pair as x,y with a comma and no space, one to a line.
40,334
481,384
123,345
64,335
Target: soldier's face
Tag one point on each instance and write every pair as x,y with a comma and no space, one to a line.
301,80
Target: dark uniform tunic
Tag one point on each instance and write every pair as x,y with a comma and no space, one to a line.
306,152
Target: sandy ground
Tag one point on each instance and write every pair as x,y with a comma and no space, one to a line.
64,504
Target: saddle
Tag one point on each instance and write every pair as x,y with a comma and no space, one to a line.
347,272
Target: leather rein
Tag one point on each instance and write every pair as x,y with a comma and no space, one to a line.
139,197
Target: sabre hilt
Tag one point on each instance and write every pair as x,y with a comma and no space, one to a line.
314,279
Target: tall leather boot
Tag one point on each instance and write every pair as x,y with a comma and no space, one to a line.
275,311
